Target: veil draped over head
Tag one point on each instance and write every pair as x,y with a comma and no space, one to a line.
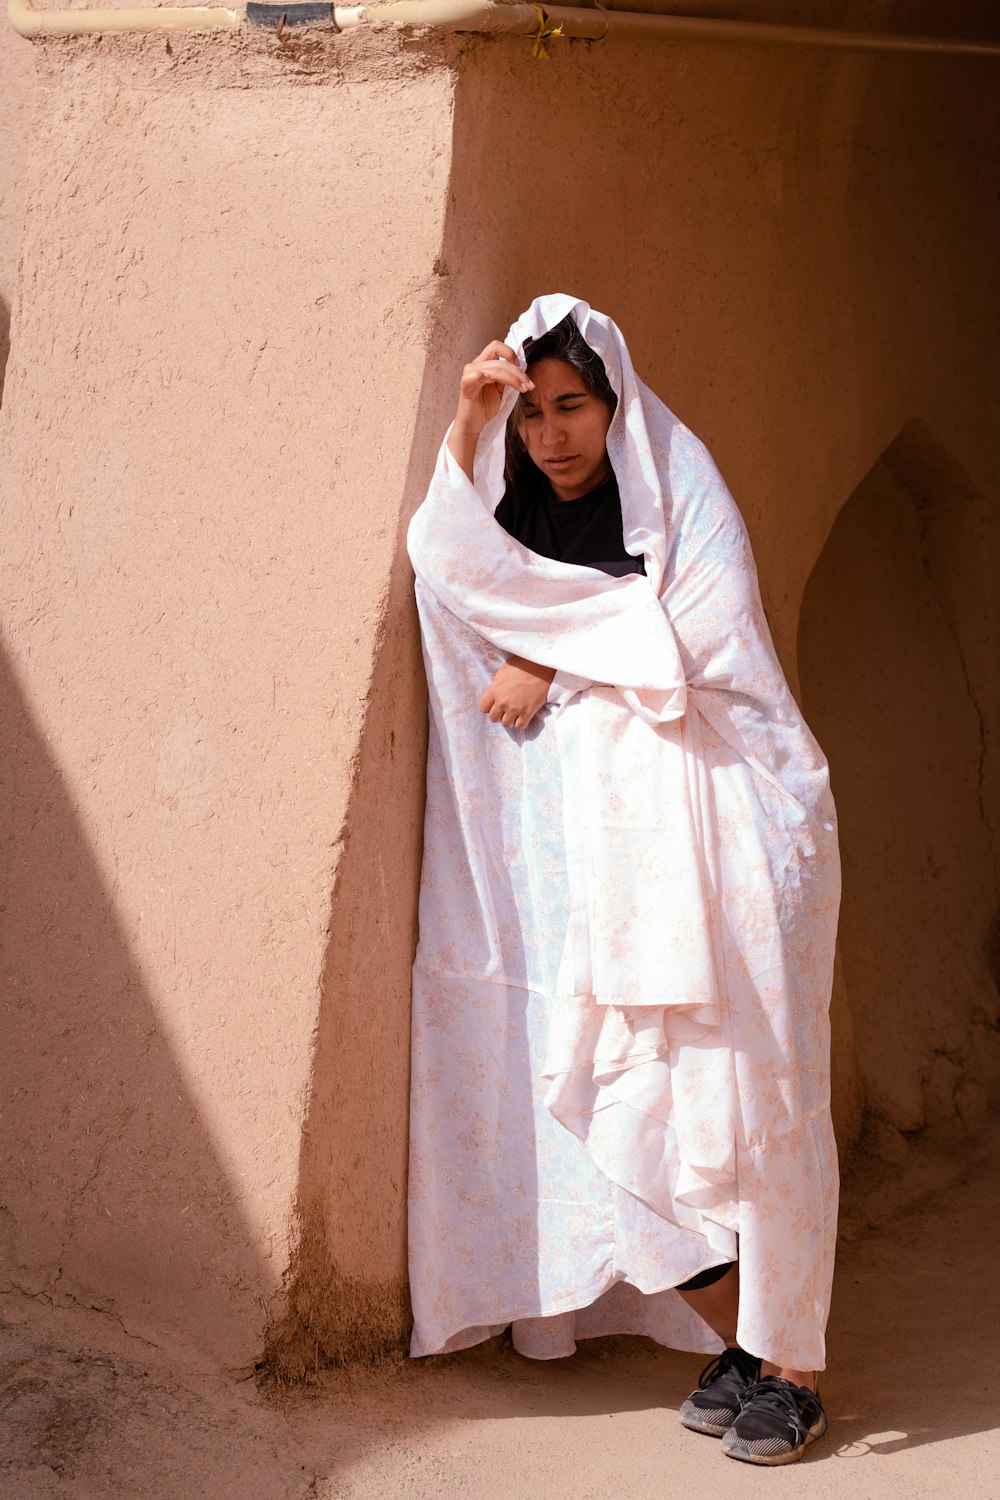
657,853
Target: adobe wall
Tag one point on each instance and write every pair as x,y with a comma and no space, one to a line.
208,430
253,272
800,249
17,68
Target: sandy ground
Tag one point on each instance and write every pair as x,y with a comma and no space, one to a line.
913,1392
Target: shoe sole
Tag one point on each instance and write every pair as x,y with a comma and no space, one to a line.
696,1420
735,1449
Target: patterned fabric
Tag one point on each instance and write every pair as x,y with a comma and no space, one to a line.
627,921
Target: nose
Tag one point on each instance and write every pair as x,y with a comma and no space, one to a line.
553,431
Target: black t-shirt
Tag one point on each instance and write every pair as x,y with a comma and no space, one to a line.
586,531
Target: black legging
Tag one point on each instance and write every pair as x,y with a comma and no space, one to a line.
705,1278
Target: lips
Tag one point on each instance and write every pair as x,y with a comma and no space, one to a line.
561,463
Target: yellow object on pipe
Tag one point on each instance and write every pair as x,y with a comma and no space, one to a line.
593,24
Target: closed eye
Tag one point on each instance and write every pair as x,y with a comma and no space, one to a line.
534,412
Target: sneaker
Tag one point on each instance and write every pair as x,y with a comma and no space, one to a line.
722,1385
778,1421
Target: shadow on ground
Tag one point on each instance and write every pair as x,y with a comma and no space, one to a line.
912,1392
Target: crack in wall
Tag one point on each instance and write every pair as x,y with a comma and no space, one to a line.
59,1297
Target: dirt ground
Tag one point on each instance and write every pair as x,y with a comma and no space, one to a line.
913,1391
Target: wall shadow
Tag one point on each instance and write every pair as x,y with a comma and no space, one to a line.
4,343
347,1297
894,656
112,1192
698,327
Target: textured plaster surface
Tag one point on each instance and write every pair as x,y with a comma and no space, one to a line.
208,425
800,252
900,693
253,271
17,66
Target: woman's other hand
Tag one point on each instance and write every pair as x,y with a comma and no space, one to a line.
516,693
481,390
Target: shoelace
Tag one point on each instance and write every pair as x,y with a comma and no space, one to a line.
729,1359
794,1404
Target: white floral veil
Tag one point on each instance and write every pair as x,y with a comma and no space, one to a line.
658,850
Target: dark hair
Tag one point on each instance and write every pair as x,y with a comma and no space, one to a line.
565,342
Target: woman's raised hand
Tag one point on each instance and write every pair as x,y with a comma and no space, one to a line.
481,390
482,385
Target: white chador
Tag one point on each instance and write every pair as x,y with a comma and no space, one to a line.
627,923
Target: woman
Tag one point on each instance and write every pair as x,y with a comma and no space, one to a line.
620,1102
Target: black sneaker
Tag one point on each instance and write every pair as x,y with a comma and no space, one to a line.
722,1384
778,1421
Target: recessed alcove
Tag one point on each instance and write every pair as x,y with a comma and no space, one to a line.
897,661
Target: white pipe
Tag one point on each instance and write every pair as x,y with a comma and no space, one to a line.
29,22
486,16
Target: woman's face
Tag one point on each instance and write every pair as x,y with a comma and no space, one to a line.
565,427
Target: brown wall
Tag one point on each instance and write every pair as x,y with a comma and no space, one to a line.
253,271
898,653
207,434
800,249
16,90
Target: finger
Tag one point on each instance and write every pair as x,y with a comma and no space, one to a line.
486,701
496,713
496,350
476,381
509,719
499,372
